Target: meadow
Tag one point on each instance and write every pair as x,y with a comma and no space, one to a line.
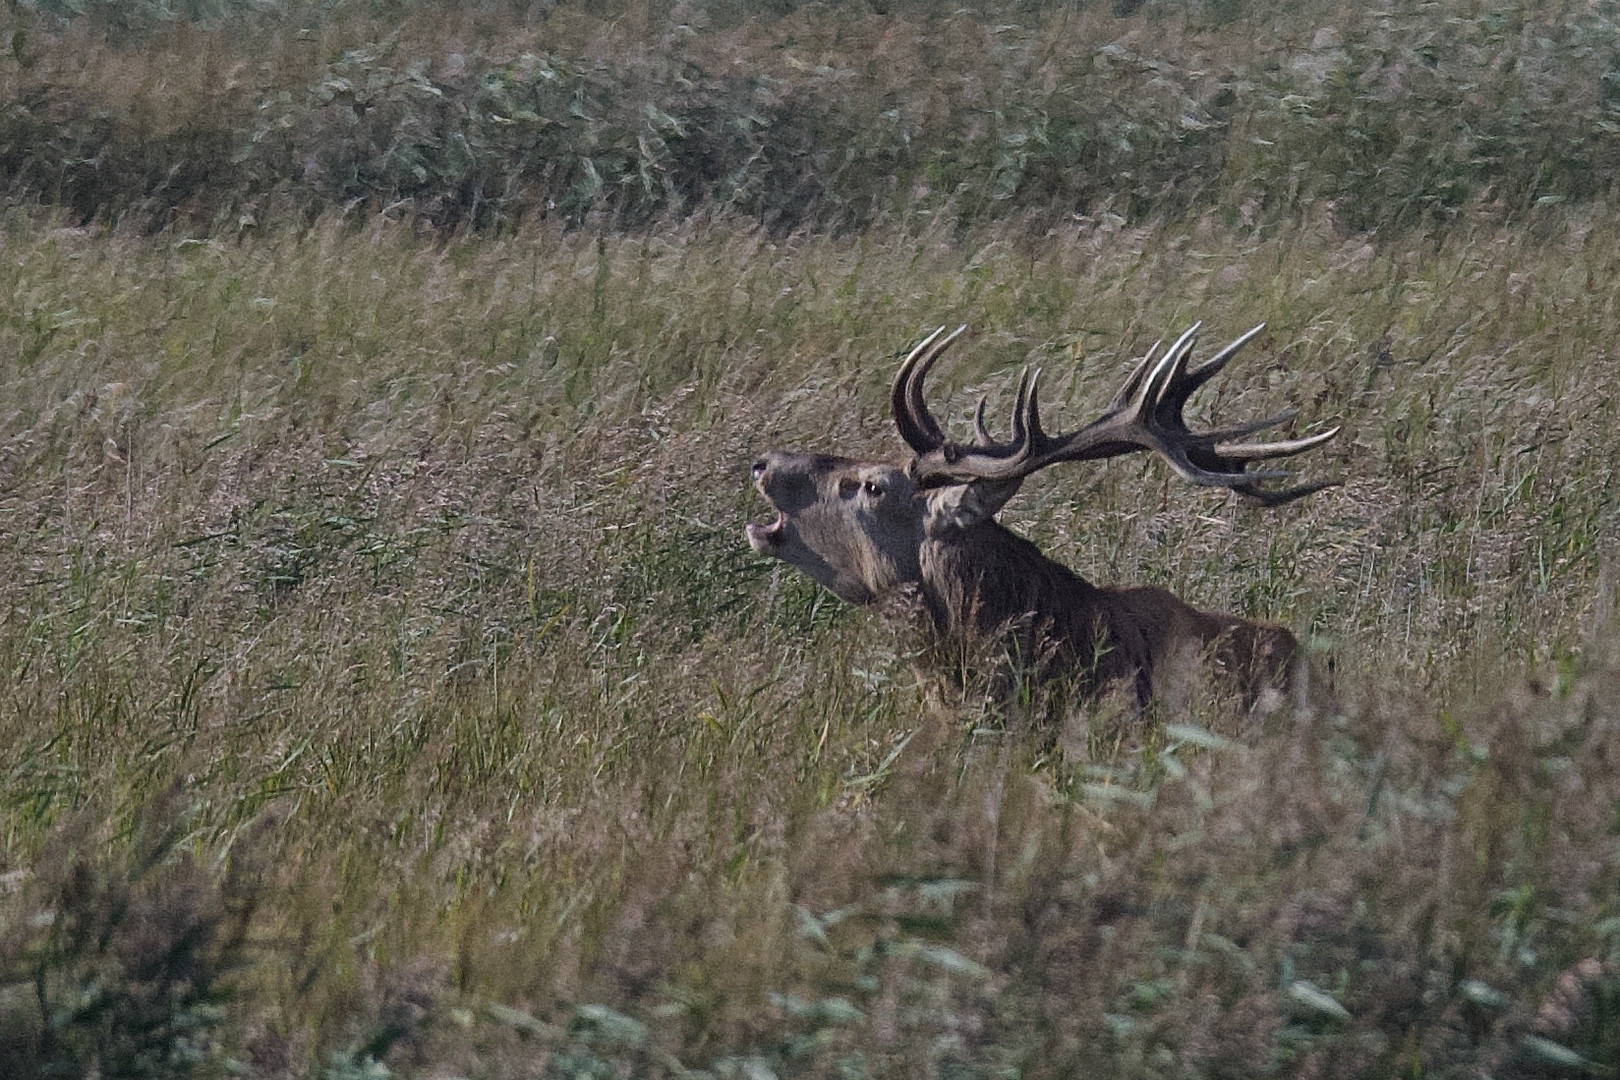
390,690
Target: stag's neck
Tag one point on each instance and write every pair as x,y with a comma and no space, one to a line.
982,579
988,586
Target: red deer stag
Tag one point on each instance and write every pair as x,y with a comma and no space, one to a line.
925,531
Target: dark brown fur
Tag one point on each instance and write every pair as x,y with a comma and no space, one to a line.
985,583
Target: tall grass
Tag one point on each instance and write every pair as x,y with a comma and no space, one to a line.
406,572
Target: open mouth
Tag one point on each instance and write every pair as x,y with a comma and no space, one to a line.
766,538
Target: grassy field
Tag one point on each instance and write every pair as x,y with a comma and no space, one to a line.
390,691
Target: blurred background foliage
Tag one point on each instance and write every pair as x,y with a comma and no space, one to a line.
825,115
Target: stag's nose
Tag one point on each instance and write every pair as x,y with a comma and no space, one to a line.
784,480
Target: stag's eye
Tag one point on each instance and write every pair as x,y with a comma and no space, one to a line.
872,488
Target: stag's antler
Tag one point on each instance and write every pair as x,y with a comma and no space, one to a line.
1144,415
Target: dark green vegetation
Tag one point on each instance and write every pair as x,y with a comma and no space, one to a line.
812,115
388,690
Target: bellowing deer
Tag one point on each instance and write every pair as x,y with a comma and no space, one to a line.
924,532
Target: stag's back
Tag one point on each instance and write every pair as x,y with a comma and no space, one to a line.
1181,641
985,584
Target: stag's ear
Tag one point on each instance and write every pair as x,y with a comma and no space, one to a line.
961,506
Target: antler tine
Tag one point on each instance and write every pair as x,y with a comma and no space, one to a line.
1128,391
1038,439
1020,417
1279,498
1267,450
1238,431
1177,455
919,430
917,425
1203,372
1029,439
1027,435
981,433
1169,369
1210,368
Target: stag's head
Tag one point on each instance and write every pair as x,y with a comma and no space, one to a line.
853,526
858,527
